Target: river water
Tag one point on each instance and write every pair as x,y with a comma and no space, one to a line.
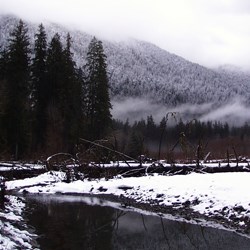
72,222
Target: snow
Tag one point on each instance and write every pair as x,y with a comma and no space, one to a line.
222,194
208,194
43,179
13,231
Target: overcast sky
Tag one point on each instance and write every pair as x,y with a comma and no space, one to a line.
209,32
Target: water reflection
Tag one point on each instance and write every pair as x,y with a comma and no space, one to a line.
65,222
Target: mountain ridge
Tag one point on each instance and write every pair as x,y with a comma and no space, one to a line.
141,70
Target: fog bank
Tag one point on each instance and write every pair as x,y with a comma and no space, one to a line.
236,113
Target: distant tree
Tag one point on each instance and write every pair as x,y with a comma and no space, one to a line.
97,91
135,146
16,120
150,127
162,129
140,126
39,87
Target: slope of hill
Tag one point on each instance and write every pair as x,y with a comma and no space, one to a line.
142,70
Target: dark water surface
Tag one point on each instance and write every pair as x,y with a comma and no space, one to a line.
66,222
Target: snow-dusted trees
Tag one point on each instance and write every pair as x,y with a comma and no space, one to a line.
97,99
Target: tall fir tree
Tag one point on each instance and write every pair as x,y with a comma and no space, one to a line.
64,97
97,101
16,118
72,99
55,64
39,87
3,100
55,95
3,63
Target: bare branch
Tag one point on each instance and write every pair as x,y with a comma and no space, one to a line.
109,149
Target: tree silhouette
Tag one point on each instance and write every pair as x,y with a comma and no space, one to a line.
97,91
39,87
16,118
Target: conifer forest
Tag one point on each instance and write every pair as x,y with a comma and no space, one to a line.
48,103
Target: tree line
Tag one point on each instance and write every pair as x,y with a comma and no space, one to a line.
46,102
171,134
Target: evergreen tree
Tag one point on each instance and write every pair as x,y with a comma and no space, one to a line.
55,64
55,95
135,146
16,119
97,91
39,86
64,96
3,64
150,127
73,98
3,100
162,130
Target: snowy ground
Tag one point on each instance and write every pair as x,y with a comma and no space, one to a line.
220,195
14,233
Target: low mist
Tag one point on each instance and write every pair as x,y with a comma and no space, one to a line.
235,113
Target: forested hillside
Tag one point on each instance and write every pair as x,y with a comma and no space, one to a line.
140,69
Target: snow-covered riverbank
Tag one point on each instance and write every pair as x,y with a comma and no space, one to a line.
221,196
14,233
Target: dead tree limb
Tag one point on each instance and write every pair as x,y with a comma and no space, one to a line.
111,150
69,156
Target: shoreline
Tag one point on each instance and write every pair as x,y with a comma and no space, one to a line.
28,237
219,198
